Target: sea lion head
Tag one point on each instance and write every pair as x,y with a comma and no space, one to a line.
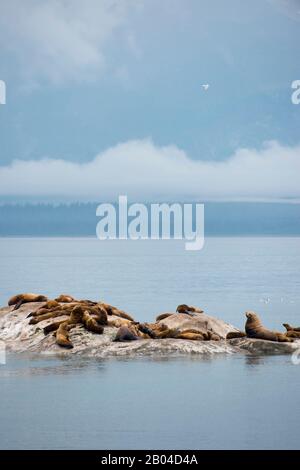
76,314
182,308
253,322
252,316
287,326
41,298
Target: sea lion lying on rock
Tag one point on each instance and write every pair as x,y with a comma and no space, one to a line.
163,315
62,335
291,328
255,329
18,300
235,334
292,331
91,323
64,298
183,308
203,324
110,310
134,332
78,316
125,333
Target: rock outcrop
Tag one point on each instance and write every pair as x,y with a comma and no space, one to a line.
20,336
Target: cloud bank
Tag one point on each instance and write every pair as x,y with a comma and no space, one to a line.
144,171
63,39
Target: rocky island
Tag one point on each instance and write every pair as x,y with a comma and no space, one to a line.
65,326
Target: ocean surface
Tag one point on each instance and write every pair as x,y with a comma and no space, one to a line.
207,402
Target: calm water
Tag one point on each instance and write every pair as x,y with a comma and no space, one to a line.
220,402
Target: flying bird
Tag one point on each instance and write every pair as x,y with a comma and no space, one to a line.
205,86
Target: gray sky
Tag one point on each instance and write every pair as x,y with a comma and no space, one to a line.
105,97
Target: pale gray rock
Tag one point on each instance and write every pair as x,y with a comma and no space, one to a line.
21,337
198,321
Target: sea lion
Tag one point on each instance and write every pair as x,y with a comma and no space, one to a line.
291,328
255,329
91,323
118,322
51,304
235,334
110,310
18,300
62,335
211,336
36,319
145,330
160,330
183,308
63,298
190,335
125,334
293,334
53,326
99,312
163,315
76,315
88,302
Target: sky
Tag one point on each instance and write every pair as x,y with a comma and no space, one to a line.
106,97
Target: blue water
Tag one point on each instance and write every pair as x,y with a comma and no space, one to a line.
194,402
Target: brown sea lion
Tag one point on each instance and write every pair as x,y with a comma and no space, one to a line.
183,308
18,300
235,334
125,334
62,335
293,334
190,335
163,315
51,304
99,312
64,298
255,329
118,322
291,328
110,310
53,326
91,323
145,330
76,315
90,303
36,319
160,330
211,336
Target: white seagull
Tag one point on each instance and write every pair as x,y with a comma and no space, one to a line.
205,86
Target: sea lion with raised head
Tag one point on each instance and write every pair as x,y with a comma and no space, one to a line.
76,315
255,329
19,299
